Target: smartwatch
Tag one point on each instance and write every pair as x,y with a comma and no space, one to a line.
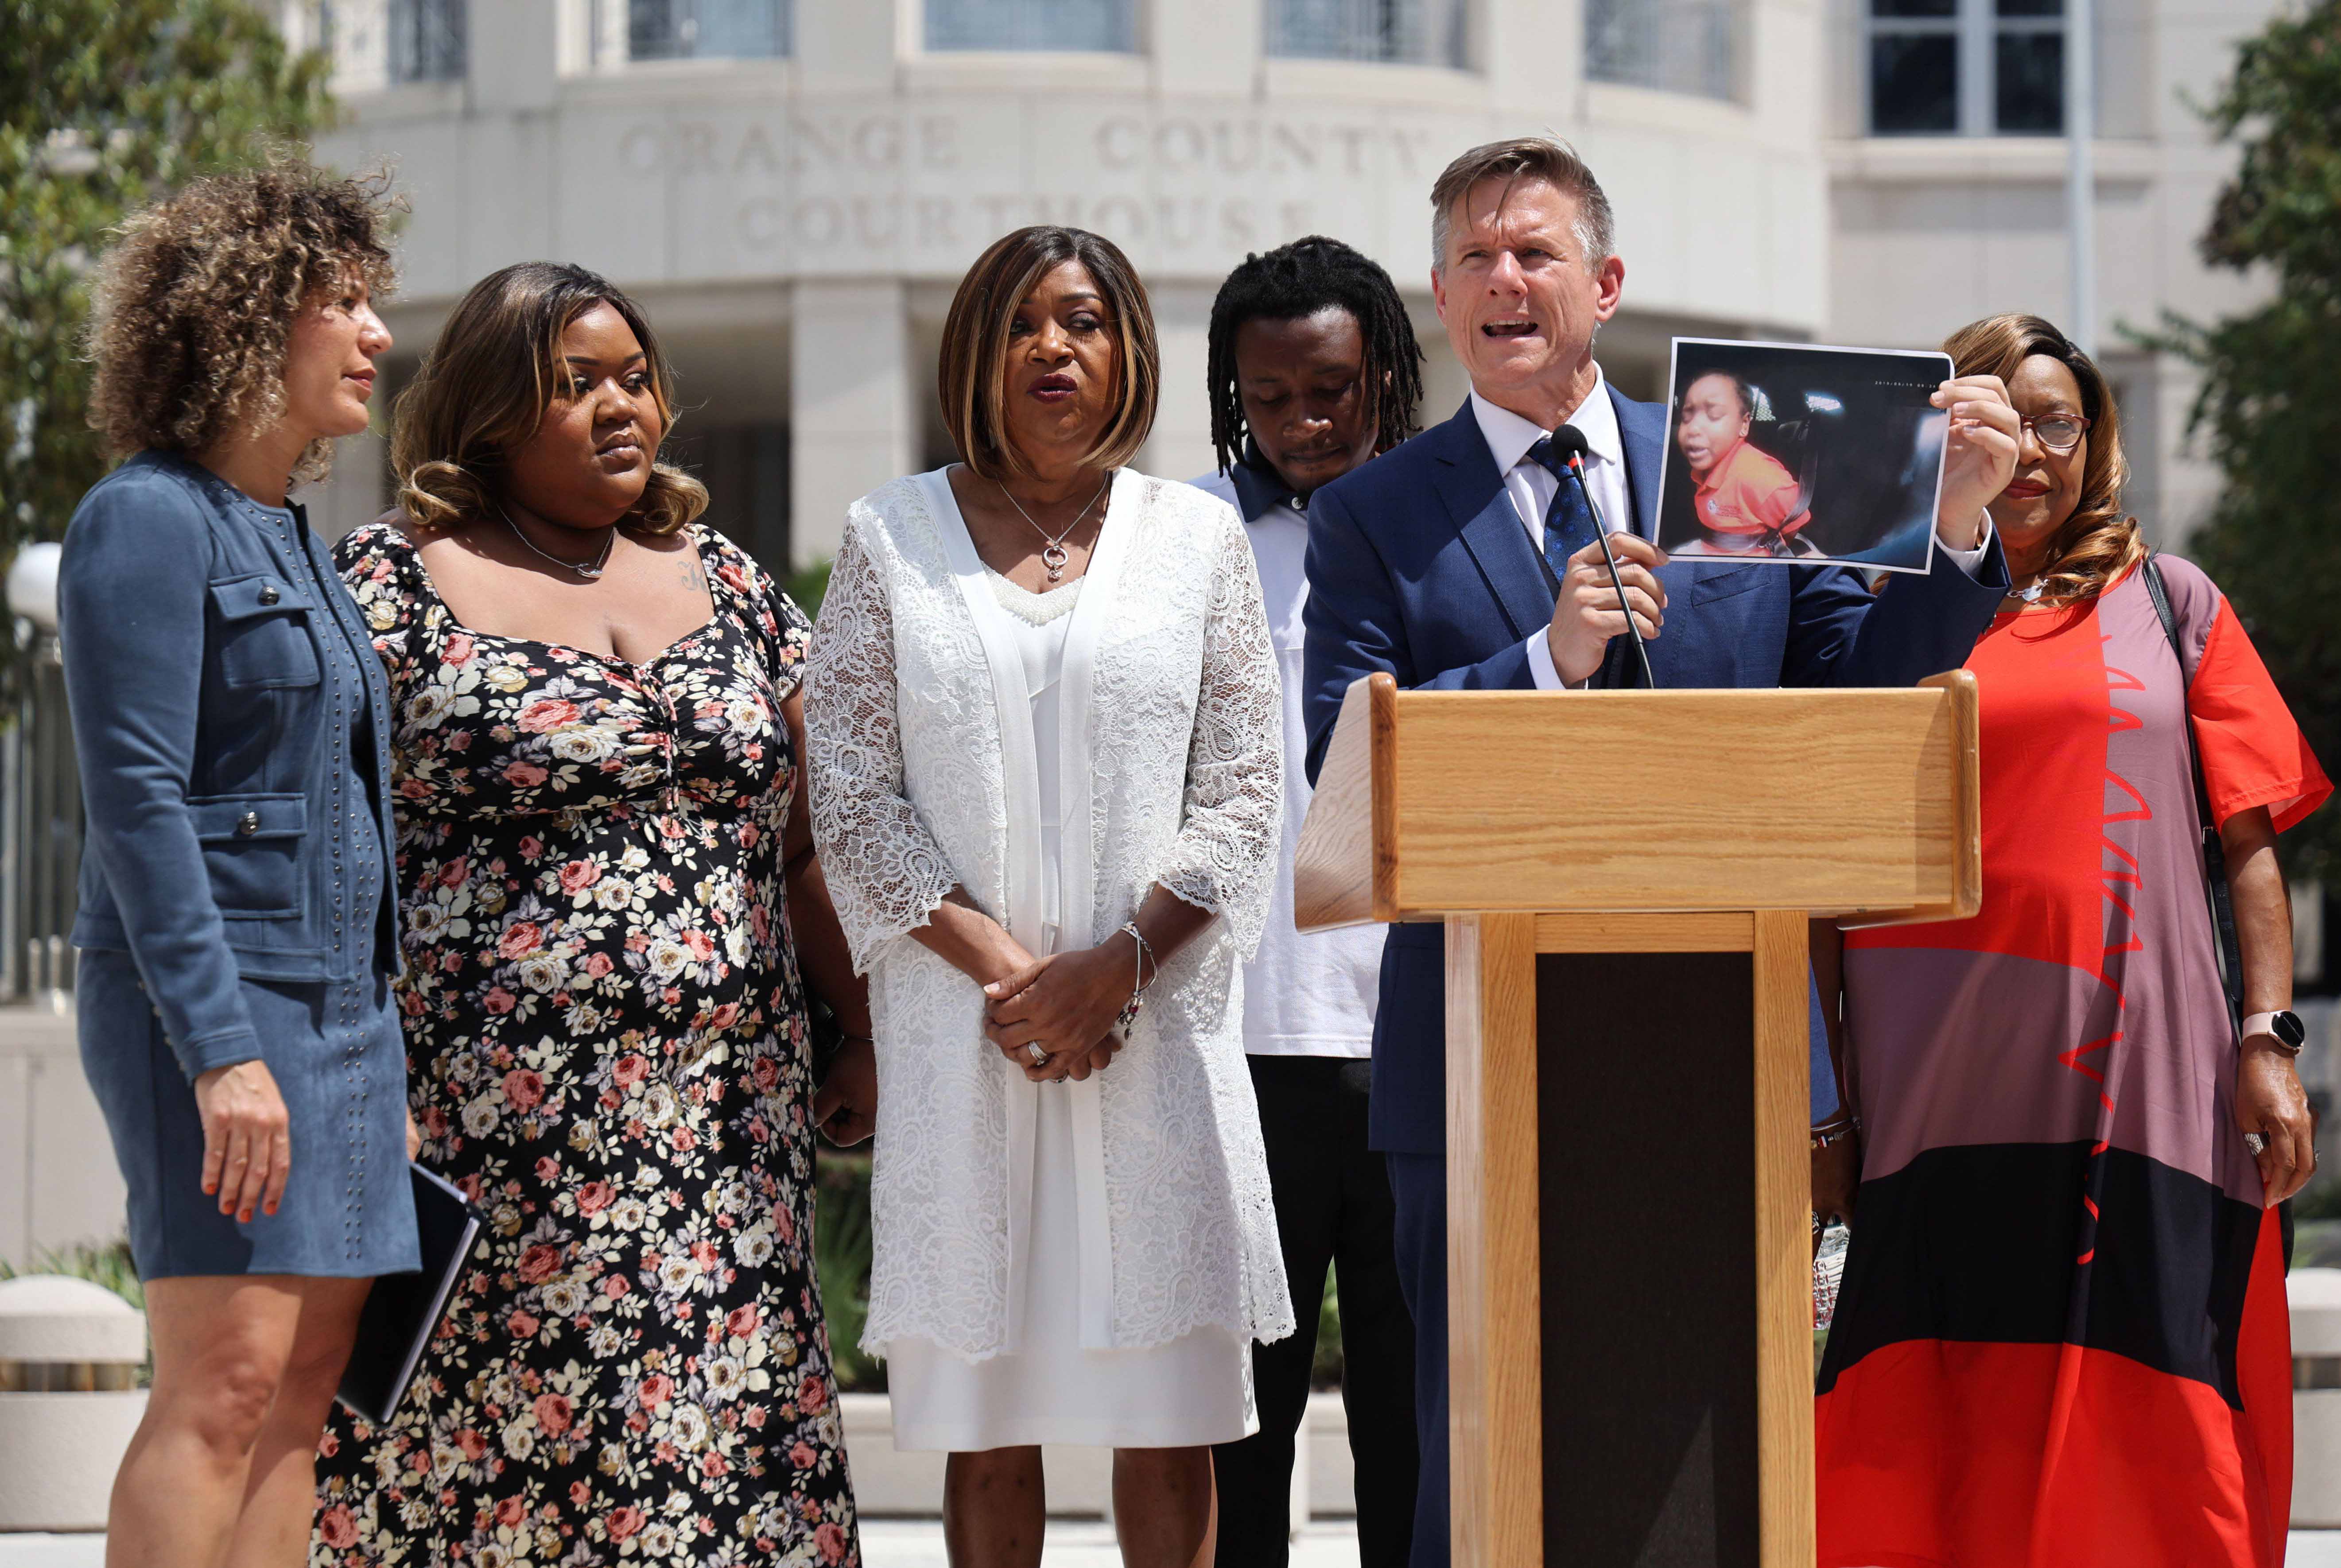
2283,1028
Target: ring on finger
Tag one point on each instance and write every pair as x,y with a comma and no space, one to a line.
1037,1051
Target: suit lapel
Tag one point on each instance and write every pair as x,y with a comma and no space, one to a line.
1642,431
1490,526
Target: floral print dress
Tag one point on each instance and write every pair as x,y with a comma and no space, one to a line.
607,1043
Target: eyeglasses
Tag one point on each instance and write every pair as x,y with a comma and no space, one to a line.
2058,432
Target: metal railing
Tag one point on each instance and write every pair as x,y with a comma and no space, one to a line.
1386,32
40,835
426,40
1072,25
1693,46
709,29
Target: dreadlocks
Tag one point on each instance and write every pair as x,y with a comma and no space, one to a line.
1301,279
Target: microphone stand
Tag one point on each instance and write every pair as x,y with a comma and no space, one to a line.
1577,473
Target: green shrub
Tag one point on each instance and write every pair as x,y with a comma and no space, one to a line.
1325,1370
807,586
108,1265
840,1247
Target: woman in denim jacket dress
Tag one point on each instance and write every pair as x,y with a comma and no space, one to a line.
237,921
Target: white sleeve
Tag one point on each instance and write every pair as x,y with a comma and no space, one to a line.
1225,856
1969,561
1540,669
886,872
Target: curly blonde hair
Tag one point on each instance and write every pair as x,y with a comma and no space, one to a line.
2099,540
193,304
483,392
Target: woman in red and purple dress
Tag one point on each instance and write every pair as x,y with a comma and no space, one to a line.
2062,1338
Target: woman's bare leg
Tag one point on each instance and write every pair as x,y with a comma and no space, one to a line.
995,1507
1165,1507
279,1494
221,1344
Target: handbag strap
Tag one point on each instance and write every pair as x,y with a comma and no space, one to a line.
2215,851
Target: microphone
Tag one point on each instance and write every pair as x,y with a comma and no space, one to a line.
1570,440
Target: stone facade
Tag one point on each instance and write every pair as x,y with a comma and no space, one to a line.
795,224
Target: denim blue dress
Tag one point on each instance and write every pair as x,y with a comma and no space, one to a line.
236,895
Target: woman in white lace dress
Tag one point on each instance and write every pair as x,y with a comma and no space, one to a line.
1043,722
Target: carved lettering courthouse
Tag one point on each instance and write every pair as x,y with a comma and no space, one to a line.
792,187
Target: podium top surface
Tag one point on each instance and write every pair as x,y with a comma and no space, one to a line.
1854,803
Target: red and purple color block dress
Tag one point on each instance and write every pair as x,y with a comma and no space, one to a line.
2062,1340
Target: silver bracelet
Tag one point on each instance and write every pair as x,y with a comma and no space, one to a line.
1834,1131
1139,961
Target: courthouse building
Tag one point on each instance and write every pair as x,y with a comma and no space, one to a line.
793,187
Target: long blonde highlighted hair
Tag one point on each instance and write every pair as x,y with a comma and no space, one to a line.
2099,540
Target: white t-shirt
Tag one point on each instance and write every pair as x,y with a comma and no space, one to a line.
1312,994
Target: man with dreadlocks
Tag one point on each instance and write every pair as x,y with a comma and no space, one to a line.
1314,369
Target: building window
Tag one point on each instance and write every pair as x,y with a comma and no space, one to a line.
426,40
1967,67
745,468
1690,46
1079,25
1389,32
708,29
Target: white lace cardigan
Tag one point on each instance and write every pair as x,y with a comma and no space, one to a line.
1171,716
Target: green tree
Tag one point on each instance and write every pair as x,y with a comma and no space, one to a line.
103,105
2271,398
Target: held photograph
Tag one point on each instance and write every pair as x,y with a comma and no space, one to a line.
1801,454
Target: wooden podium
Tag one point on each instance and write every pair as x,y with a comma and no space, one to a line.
1626,879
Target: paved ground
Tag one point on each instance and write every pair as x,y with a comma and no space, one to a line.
886,1543
918,1544
1071,1544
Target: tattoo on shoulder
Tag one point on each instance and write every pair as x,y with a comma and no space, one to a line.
693,575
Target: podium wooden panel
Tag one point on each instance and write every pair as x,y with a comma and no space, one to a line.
1624,878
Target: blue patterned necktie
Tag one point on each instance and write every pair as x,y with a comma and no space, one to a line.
1569,521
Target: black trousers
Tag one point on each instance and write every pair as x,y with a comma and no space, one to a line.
1332,1207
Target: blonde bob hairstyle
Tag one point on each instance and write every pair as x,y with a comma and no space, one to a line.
192,306
971,376
483,390
2100,541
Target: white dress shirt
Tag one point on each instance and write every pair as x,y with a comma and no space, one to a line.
1532,485
1305,994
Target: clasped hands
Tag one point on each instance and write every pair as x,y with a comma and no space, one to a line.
1066,1003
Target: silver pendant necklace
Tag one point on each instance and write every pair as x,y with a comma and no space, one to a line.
1054,555
583,570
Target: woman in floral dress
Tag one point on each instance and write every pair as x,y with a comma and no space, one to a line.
601,838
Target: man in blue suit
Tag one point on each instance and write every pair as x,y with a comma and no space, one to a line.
1464,560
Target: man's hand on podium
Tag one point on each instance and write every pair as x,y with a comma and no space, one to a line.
1586,617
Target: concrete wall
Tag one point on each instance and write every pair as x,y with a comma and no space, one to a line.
1931,233
864,165
58,1181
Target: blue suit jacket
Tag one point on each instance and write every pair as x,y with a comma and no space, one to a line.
1419,565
